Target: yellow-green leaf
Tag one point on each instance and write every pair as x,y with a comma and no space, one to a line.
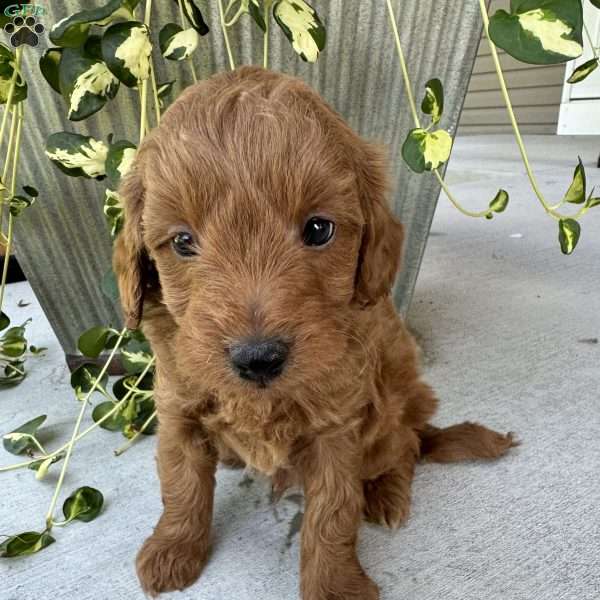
500,202
576,192
581,72
569,231
425,151
433,102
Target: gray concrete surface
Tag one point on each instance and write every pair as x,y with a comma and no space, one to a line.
509,329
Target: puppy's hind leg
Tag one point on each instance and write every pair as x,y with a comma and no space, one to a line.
388,496
466,441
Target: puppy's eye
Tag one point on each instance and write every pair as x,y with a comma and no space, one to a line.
318,231
183,243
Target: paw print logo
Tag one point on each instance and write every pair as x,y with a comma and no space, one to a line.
24,31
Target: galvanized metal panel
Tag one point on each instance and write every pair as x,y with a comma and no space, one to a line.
63,244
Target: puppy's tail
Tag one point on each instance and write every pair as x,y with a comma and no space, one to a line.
466,441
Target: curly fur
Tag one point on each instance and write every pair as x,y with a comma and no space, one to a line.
243,160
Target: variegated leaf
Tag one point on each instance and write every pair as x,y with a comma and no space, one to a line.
119,160
7,68
126,49
194,16
20,439
72,31
540,32
49,65
176,43
500,202
433,102
302,26
576,193
85,83
114,211
163,90
25,543
77,155
582,71
569,232
592,202
17,204
425,151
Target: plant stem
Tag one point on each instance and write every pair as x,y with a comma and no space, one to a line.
189,58
155,94
266,14
226,36
84,403
407,86
130,442
513,120
11,135
415,115
11,92
144,83
13,189
85,432
590,41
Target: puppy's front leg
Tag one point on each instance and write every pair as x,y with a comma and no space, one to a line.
334,501
174,555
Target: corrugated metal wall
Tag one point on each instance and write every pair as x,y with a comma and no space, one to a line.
534,90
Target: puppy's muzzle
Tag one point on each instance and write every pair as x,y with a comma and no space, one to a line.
259,360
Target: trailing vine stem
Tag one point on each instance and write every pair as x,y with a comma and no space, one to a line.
69,449
590,41
91,428
226,35
267,7
18,115
417,121
11,91
141,430
11,135
190,62
551,210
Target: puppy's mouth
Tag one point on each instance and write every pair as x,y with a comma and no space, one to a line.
259,360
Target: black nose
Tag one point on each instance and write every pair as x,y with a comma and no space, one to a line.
259,360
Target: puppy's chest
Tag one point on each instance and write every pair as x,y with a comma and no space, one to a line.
262,438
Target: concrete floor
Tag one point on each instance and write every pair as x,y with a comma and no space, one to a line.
509,329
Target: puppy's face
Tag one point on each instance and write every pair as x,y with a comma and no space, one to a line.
261,213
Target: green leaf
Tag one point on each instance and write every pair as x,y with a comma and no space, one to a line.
433,102
540,32
569,231
591,202
26,543
114,211
194,16
4,320
72,31
425,151
84,377
109,286
163,90
14,372
255,12
85,83
119,160
31,191
77,155
17,204
13,342
7,68
49,65
135,362
581,72
500,202
16,444
122,386
43,465
577,191
93,341
302,27
84,504
126,49
116,422
176,43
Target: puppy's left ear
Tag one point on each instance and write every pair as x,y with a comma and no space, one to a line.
130,260
381,247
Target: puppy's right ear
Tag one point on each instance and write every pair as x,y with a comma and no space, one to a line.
130,261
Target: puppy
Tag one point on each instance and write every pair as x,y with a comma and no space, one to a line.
260,247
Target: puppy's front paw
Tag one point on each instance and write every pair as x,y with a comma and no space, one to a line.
165,566
354,585
387,500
